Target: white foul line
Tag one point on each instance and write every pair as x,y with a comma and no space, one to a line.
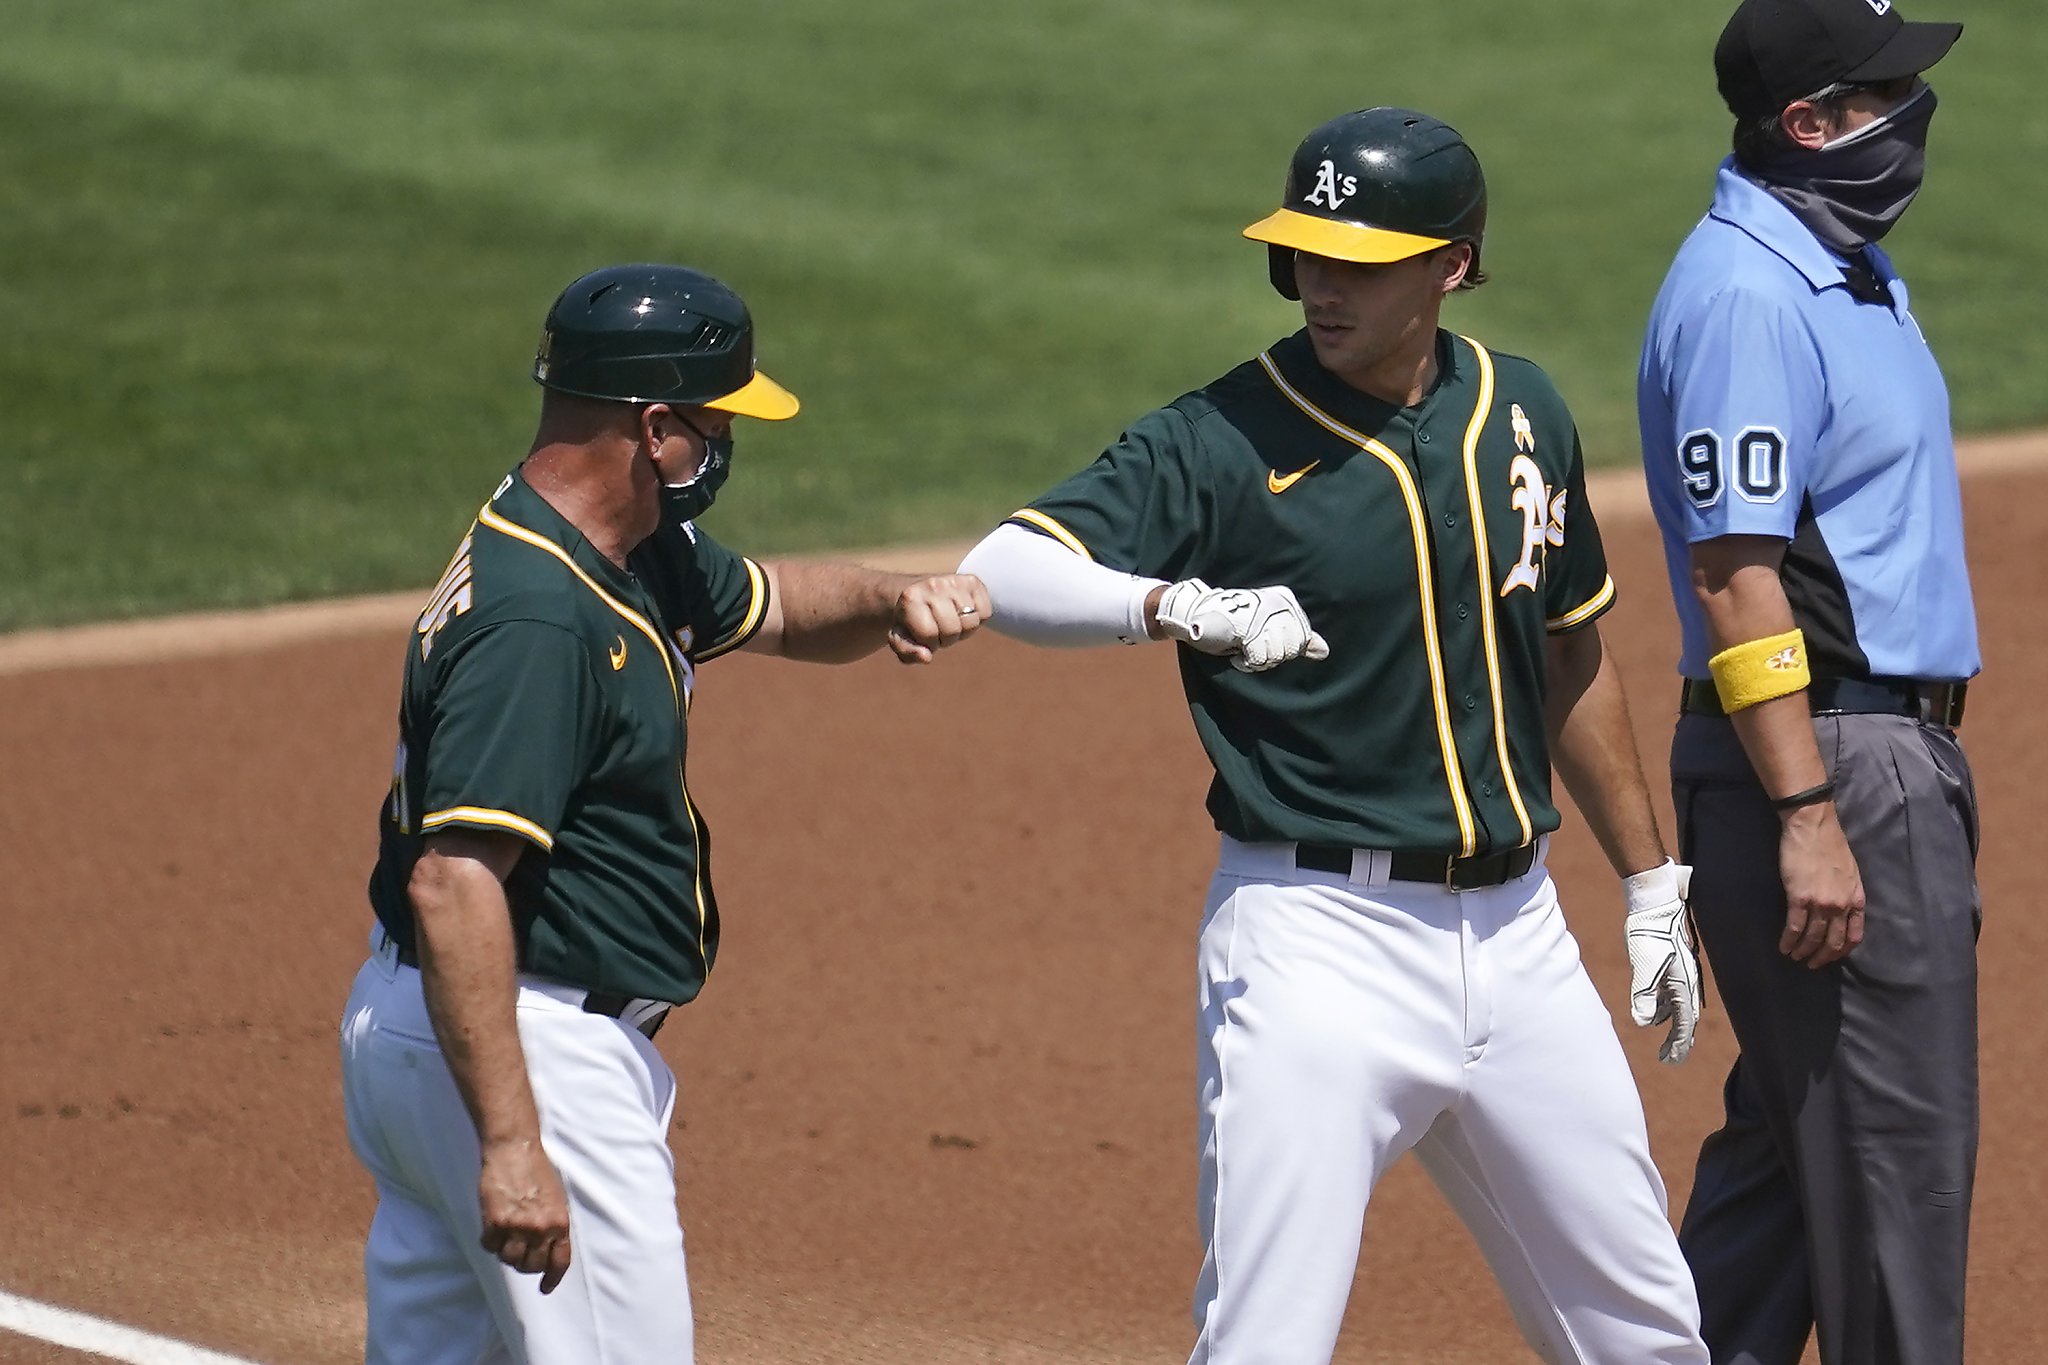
82,1332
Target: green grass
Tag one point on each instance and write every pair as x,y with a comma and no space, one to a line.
273,273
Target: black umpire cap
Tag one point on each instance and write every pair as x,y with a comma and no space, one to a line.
1776,51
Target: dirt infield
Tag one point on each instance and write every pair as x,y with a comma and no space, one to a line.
937,1102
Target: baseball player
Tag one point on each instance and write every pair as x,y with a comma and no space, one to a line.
1401,640
543,888
1796,443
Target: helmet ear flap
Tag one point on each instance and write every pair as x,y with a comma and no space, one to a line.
1280,269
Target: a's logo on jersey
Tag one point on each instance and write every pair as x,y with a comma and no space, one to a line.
1785,660
685,636
1542,523
1278,483
1879,6
1525,434
1332,189
450,598
618,654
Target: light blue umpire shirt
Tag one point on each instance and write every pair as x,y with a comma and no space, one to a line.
1773,403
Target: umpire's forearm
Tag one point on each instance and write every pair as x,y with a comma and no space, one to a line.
1593,750
1742,598
469,973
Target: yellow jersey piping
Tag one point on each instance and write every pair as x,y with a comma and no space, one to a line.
757,609
1585,612
697,840
1480,412
1433,650
495,819
1034,517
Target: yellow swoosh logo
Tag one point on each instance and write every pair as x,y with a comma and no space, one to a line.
619,654
1276,482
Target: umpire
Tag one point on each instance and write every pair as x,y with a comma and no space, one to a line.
1796,443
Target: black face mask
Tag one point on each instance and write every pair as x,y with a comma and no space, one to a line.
681,502
1851,191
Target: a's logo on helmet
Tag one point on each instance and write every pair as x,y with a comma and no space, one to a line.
1331,188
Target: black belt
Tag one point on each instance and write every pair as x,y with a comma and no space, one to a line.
1442,869
594,1002
1933,703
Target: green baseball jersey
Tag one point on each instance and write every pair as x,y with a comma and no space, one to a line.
546,695
1433,546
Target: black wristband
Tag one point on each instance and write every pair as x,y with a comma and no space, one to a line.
1812,796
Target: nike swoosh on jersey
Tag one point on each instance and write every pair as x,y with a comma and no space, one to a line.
1277,483
618,653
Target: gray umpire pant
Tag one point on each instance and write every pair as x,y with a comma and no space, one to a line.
1837,1193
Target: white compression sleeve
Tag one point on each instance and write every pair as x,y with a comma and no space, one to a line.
1045,594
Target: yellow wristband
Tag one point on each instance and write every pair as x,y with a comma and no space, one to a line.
1746,674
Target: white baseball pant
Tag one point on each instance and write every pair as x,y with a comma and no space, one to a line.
1345,1020
435,1296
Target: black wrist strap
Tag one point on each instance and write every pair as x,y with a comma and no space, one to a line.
1812,796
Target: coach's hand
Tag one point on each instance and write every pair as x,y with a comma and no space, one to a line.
1257,628
935,612
1663,963
525,1211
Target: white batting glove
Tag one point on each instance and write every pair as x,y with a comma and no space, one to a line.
1257,627
1663,963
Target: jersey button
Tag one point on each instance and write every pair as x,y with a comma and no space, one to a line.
1471,702
1463,611
1450,518
1486,788
1422,436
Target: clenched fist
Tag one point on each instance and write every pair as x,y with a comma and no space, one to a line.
935,612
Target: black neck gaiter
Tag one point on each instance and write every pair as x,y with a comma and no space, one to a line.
1851,191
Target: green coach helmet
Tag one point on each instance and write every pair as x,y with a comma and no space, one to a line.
657,334
1375,186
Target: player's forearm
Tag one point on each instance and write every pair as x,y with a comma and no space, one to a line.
1593,749
835,613
1045,594
468,971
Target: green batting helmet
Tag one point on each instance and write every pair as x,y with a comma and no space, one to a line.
657,334
1375,186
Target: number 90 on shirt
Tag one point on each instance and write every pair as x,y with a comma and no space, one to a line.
1759,459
